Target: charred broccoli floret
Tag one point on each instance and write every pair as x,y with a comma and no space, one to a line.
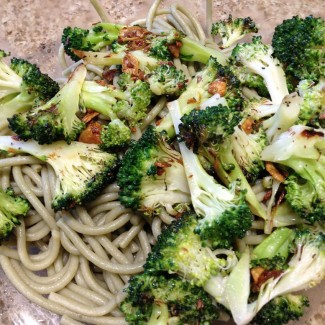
152,176
82,169
22,86
167,298
232,30
94,39
56,119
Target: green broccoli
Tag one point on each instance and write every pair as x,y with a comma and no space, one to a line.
306,268
300,149
299,44
115,135
83,170
137,97
225,215
167,80
22,86
313,105
247,148
169,298
232,30
56,119
196,93
100,97
152,176
208,133
96,38
248,78
189,49
257,57
180,250
281,310
272,253
11,208
285,116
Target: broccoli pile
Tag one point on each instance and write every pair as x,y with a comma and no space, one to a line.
219,147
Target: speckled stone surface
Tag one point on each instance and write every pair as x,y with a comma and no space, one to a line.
31,29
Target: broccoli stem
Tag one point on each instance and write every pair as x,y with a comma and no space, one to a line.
195,51
159,315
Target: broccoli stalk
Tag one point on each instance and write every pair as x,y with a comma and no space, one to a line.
306,268
162,299
152,176
272,253
257,57
97,37
100,97
82,169
300,148
232,30
11,208
286,116
22,86
225,214
299,45
56,119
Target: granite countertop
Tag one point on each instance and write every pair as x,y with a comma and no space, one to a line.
31,29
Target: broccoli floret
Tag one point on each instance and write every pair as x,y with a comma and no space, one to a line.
299,44
210,125
169,298
115,135
56,119
300,149
272,253
83,170
248,78
281,310
152,176
313,104
232,30
137,97
94,39
22,86
225,215
167,80
210,138
196,93
247,148
257,57
306,268
11,208
180,250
